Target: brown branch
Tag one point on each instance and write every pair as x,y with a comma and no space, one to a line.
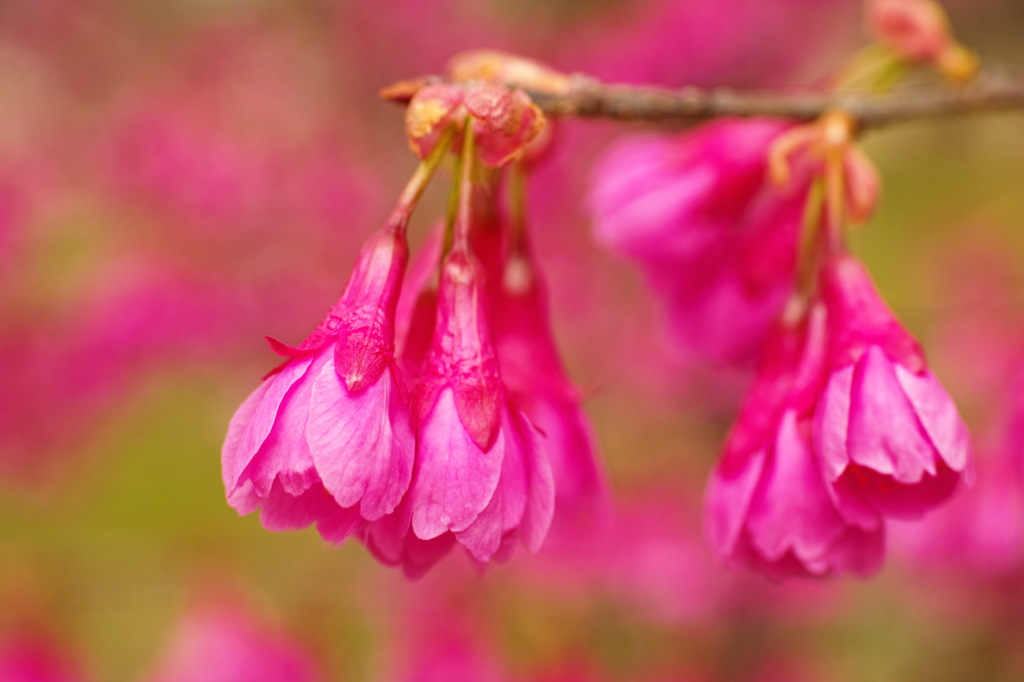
996,88
993,90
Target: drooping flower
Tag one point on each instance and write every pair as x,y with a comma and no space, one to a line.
482,473
767,502
327,437
536,380
225,644
682,209
890,438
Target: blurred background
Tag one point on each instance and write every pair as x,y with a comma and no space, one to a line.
179,178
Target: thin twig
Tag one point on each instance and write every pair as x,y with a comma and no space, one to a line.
995,89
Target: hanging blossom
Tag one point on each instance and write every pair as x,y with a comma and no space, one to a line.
715,240
845,425
432,446
768,505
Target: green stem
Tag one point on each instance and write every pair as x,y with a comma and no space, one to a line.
424,172
464,197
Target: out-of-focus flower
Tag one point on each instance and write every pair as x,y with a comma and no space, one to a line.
768,505
482,471
226,644
715,240
890,438
918,31
536,381
327,437
29,656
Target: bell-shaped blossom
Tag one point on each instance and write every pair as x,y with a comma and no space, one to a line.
226,644
536,380
482,473
890,438
682,208
767,502
327,437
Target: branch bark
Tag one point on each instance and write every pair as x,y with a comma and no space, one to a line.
994,90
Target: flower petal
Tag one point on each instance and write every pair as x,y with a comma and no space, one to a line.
456,480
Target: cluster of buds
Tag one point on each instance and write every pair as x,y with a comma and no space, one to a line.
422,415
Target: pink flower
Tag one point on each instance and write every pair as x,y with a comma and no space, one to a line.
535,379
222,644
481,469
890,439
327,437
687,210
29,656
767,503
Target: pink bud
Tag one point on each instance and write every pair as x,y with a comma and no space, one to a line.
432,109
917,30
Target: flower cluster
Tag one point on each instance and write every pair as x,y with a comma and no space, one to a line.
454,429
844,425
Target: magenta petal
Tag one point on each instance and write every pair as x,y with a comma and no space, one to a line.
340,523
504,512
907,502
727,501
792,510
265,415
243,499
885,434
540,501
831,423
282,511
456,480
284,455
362,444
237,429
938,416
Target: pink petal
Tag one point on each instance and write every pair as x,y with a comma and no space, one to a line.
901,501
456,480
727,502
792,510
362,444
938,416
237,428
282,511
540,502
885,434
831,423
504,512
340,523
284,455
265,415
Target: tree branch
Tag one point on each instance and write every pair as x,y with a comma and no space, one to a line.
994,90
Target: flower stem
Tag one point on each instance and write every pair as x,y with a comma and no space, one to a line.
464,183
421,177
